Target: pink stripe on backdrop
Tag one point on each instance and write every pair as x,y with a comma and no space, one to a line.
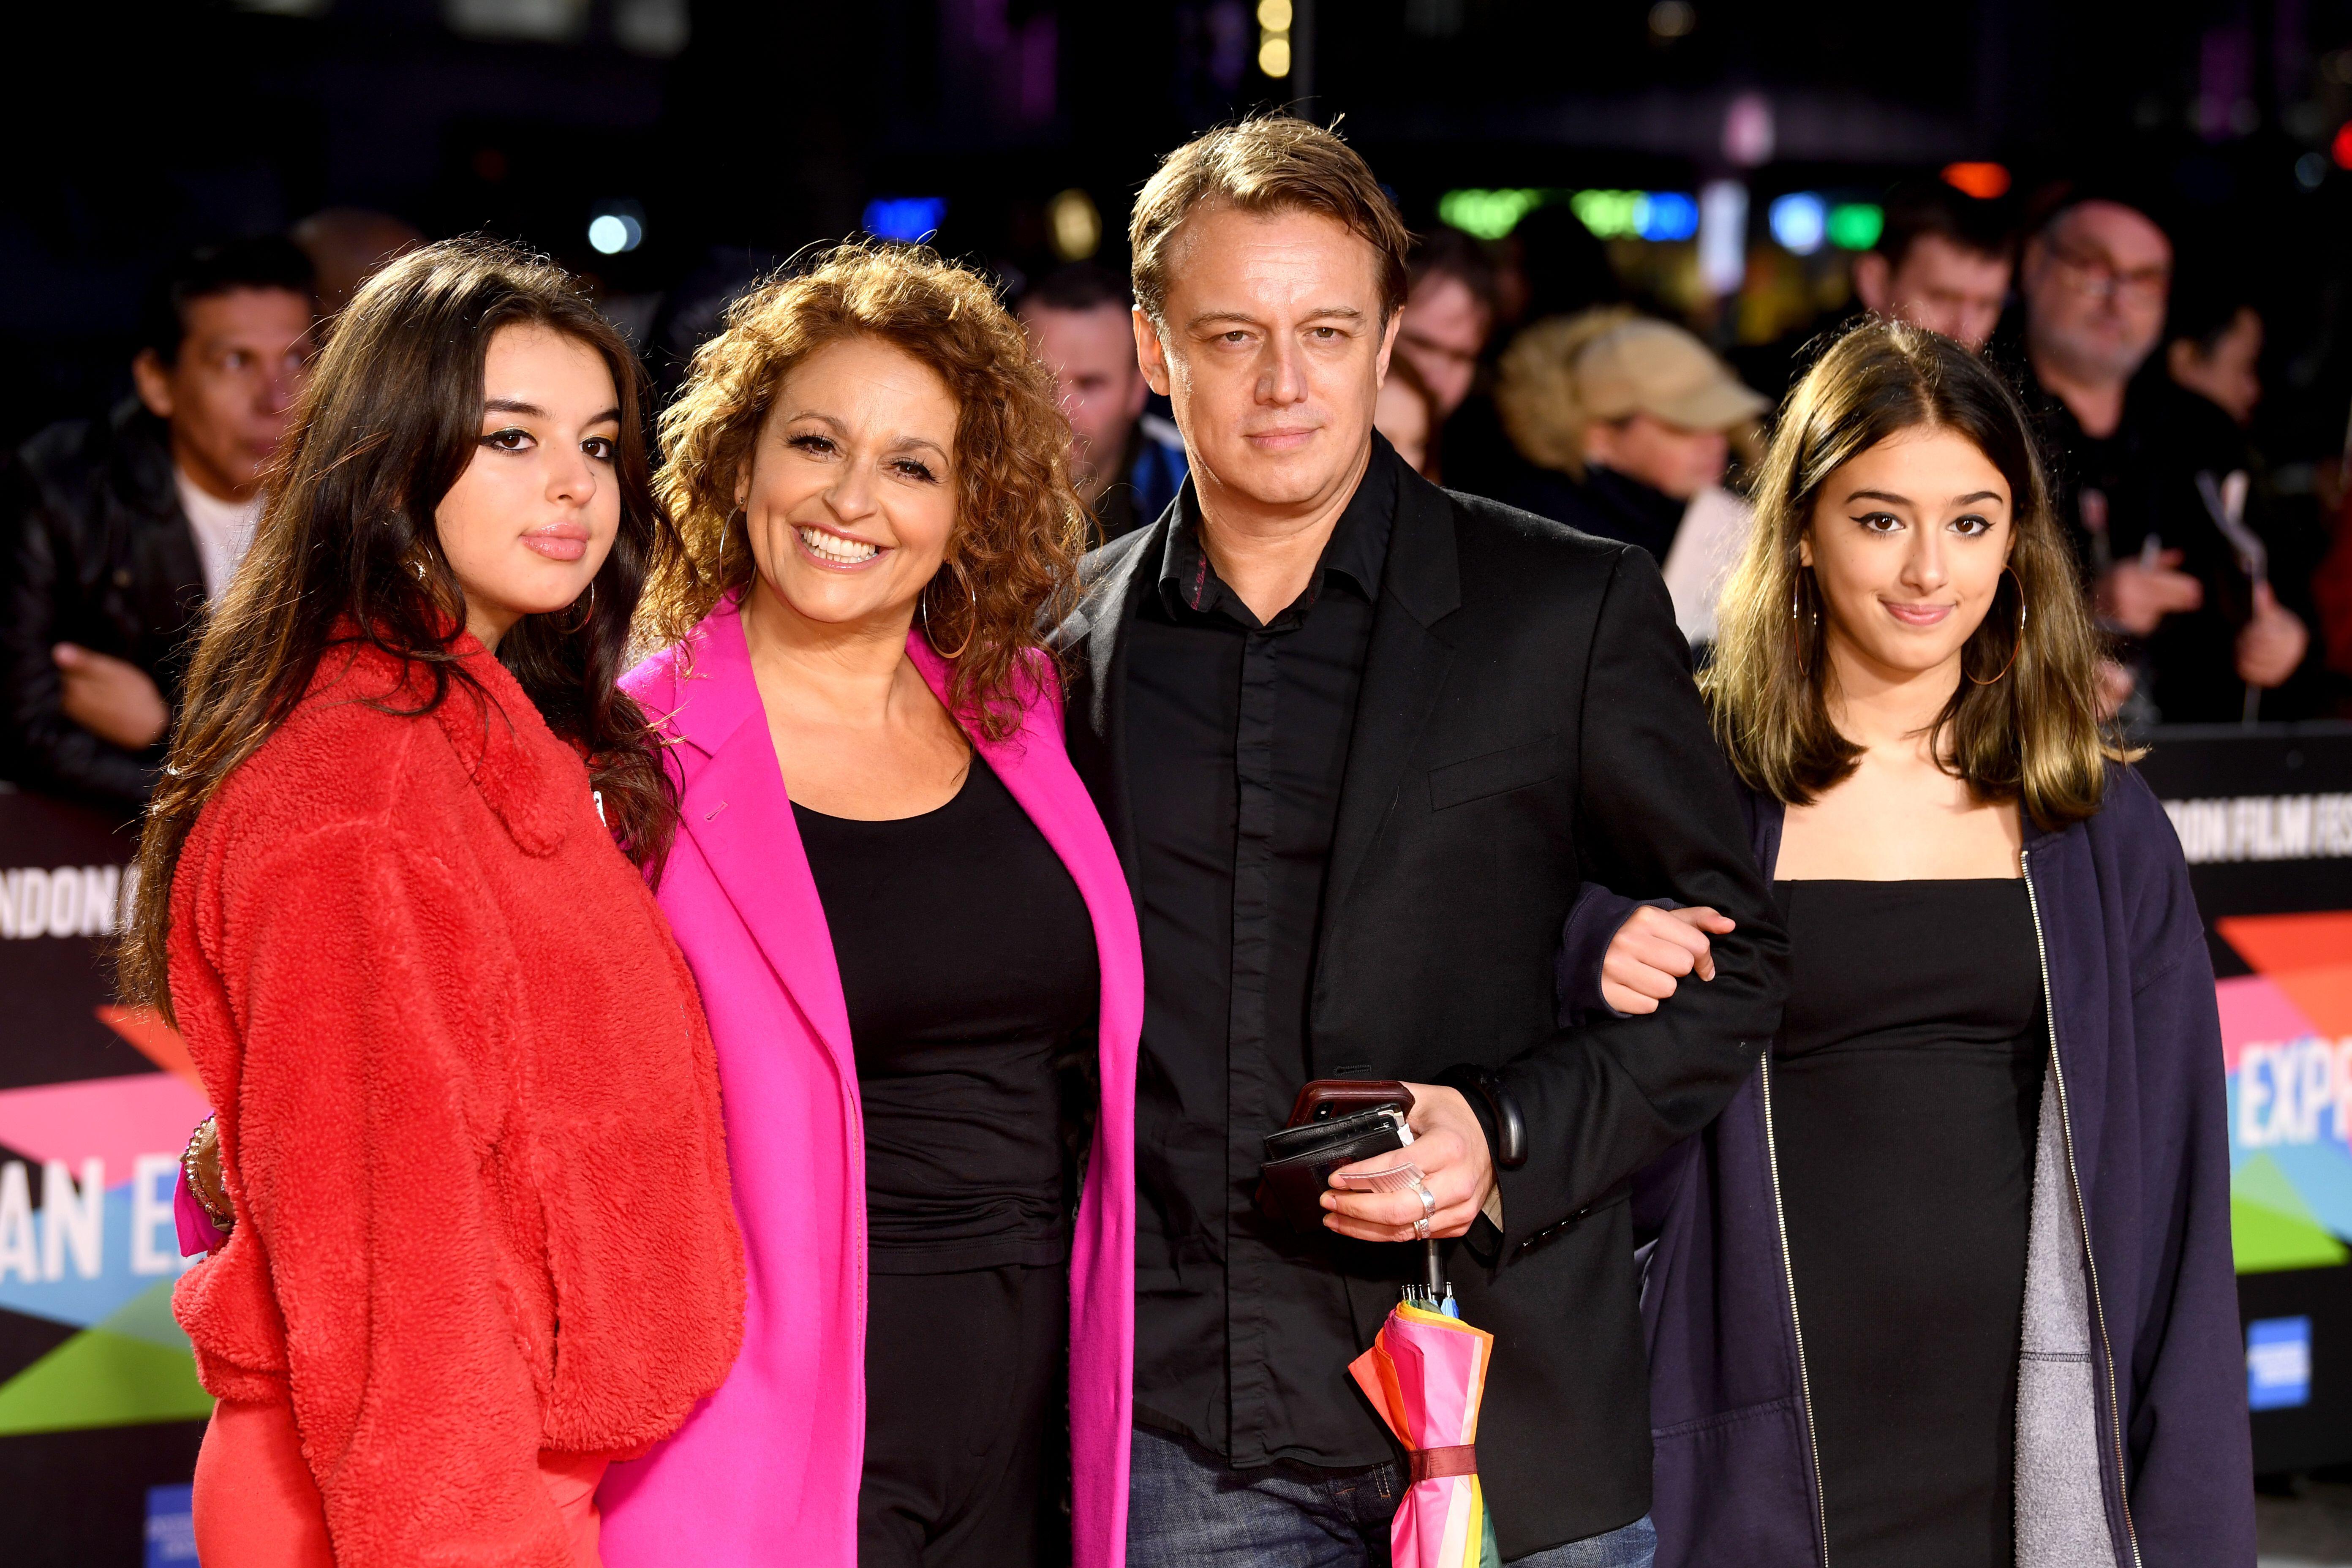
2254,1010
111,1119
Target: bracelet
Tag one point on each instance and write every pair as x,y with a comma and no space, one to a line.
223,1223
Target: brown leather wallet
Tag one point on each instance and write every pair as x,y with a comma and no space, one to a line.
1334,1123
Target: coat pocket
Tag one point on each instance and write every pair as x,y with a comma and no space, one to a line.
1731,1488
1495,773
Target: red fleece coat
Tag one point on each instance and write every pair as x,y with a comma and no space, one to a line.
468,1113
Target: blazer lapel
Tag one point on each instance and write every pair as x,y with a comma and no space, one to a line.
1095,725
736,810
1405,671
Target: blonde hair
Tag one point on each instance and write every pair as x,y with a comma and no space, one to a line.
1536,388
1268,164
1019,525
2023,724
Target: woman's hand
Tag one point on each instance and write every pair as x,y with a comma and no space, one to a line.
1449,1149
1654,949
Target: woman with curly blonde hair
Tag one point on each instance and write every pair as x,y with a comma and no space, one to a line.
911,933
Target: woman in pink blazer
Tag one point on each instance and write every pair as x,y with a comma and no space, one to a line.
913,940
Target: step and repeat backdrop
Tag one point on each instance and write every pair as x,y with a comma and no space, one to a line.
100,1413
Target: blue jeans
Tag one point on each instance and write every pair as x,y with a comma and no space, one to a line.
1187,1509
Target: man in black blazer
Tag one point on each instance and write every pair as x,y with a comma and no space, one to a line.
1359,741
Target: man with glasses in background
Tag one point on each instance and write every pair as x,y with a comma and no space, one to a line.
2153,484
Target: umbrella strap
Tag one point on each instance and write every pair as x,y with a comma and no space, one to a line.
1435,1464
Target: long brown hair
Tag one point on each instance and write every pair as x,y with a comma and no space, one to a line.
1019,525
2031,734
346,552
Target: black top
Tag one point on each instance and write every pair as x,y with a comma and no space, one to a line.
1238,737
1905,1098
967,960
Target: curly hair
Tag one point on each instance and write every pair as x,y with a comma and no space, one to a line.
1011,558
1536,389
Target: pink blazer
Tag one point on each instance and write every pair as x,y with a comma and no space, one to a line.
767,1468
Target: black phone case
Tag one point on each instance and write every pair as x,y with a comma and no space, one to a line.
1299,1161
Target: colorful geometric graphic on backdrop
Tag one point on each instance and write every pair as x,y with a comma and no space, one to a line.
2286,1041
99,1253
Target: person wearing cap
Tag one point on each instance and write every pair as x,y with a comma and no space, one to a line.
1627,424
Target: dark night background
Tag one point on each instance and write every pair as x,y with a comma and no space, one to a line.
741,131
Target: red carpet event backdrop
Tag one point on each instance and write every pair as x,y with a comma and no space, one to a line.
101,1412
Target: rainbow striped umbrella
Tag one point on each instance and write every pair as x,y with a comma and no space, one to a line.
1426,1373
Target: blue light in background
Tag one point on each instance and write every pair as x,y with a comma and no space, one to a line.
1666,215
171,1527
905,218
2278,1363
1799,221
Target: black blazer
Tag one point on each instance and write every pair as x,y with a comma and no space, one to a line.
1527,722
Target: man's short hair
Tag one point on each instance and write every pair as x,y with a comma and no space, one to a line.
1081,286
1446,252
1268,164
1918,209
2051,206
267,261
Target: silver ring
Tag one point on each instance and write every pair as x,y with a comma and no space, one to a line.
1428,1199
1420,1228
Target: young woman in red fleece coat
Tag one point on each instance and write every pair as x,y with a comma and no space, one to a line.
468,1110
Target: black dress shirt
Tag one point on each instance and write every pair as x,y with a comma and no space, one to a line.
1239,735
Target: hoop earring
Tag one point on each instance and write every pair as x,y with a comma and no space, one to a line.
2018,640
587,615
973,610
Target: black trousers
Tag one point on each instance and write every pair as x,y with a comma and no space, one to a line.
966,1432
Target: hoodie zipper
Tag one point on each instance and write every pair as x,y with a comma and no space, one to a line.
2082,1213
1789,1273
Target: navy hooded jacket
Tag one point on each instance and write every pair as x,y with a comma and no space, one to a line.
2132,1372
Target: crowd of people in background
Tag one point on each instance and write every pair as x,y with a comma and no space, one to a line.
1520,372
1077,729
2225,602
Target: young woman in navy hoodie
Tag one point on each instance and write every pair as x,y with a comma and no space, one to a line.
1950,1283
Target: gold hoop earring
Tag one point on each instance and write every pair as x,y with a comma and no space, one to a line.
973,610
2016,642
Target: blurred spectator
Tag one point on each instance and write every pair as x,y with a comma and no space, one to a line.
1555,265
1625,426
1128,465
1406,413
1449,310
1552,264
346,245
2213,346
1942,262
2154,482
119,530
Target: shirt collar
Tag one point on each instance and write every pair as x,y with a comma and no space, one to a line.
1357,550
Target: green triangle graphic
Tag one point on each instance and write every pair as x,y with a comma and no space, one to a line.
2261,1181
148,1316
100,1378
2270,1227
